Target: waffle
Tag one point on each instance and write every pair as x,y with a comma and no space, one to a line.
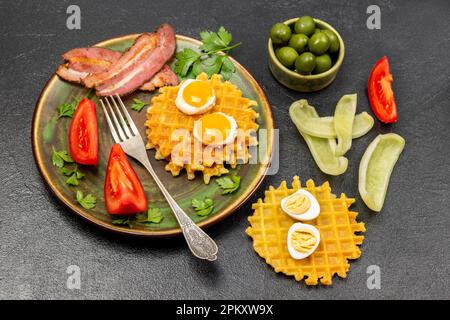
336,224
164,118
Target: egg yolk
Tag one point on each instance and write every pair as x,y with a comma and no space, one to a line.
298,203
215,127
303,241
197,93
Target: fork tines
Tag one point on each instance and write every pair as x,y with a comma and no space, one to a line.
119,130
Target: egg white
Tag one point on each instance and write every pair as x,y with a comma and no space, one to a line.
231,134
186,108
302,227
313,211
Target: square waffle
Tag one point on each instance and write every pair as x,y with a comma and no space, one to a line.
164,118
336,224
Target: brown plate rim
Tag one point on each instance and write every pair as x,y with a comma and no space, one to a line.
141,233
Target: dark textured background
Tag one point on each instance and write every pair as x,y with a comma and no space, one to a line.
409,240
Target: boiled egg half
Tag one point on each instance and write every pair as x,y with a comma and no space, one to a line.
215,129
195,97
301,205
303,239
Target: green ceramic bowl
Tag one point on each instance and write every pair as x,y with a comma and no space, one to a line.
306,83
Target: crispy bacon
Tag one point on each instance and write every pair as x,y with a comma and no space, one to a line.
65,72
84,62
165,77
138,65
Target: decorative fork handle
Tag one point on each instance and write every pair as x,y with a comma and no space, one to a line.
200,244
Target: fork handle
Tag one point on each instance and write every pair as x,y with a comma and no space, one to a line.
200,244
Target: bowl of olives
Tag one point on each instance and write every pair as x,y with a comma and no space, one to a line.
305,53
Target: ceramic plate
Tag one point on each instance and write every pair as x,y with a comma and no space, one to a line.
48,133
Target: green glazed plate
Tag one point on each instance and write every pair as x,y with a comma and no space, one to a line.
48,133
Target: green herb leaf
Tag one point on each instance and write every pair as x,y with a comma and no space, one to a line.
228,68
185,59
80,175
138,105
229,185
87,202
68,109
65,171
123,221
153,215
215,41
212,65
203,207
190,63
73,181
74,174
60,157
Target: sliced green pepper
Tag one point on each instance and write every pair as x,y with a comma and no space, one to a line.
322,150
344,115
376,167
323,127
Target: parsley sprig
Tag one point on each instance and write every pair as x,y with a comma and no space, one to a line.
67,109
88,201
128,221
73,174
138,105
153,215
191,63
59,158
229,185
203,207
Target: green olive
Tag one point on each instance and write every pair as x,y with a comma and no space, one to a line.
305,63
305,25
323,63
298,42
280,33
287,56
319,43
317,30
334,41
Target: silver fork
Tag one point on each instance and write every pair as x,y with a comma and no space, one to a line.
127,135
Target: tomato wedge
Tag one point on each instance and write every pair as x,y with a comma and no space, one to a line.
123,191
380,92
83,134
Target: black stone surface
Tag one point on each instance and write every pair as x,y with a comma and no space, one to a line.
408,240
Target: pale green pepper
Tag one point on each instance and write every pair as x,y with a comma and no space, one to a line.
344,115
323,127
376,167
322,150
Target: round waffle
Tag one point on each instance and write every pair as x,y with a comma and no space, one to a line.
165,122
336,224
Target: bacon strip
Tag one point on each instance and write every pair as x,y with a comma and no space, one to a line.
138,65
82,62
165,77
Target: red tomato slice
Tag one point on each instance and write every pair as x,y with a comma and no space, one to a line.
83,134
380,92
123,191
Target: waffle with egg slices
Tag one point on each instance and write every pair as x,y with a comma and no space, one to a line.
164,118
336,224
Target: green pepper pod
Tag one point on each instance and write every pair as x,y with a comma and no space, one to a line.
322,150
344,115
323,127
376,167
